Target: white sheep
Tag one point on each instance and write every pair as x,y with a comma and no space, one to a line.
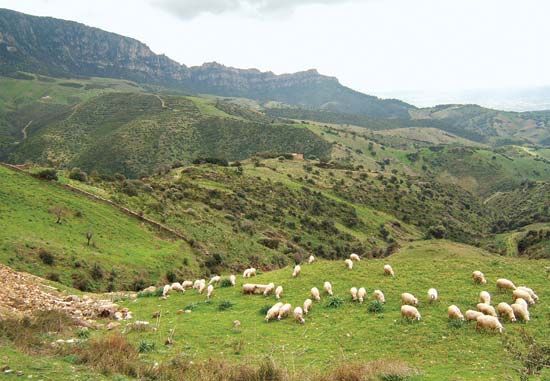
349,264
215,279
273,312
269,289
484,297
354,257
522,302
432,295
299,315
361,294
410,312
353,292
505,284
176,286
486,309
523,295
248,288
284,311
249,272
311,259
202,286
504,309
307,305
379,295
530,292
479,277
489,323
453,312
315,293
196,284
209,291
233,280
520,311
388,270
328,288
186,284
166,289
472,315
297,270
409,299
278,292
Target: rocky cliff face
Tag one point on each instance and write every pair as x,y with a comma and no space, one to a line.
64,48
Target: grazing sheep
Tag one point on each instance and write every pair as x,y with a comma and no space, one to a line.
349,264
479,277
202,286
196,284
522,302
177,287
353,292
489,323
209,291
379,295
361,294
354,257
504,309
484,297
473,315
505,284
269,289
236,324
486,309
409,299
432,295
215,279
273,312
186,284
149,289
453,312
307,305
523,295
248,288
284,311
530,292
388,270
297,270
311,259
233,280
410,312
520,311
165,290
249,272
299,315
328,288
278,292
315,293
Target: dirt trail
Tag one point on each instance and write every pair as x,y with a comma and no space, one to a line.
24,130
161,101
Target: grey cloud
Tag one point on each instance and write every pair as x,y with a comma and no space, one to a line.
188,9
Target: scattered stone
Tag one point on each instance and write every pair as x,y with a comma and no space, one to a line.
112,325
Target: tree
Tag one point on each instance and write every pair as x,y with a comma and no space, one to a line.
89,235
59,212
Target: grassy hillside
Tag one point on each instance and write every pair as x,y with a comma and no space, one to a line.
122,252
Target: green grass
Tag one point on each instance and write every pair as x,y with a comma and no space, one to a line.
350,333
120,243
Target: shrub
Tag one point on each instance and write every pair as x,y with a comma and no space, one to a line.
83,334
456,323
192,306
375,307
146,346
81,282
334,302
533,355
54,277
171,276
96,272
437,232
110,354
263,311
47,174
46,257
78,175
225,283
225,305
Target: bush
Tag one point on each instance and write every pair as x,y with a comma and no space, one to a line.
456,323
146,346
375,307
437,232
263,311
81,282
46,257
96,272
225,305
78,175
47,174
225,283
334,302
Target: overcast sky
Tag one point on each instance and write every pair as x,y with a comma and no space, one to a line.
375,46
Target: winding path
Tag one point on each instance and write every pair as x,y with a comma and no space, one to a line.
24,130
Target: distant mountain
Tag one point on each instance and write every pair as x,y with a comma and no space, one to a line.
54,47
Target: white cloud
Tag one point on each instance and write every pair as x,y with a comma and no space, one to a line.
188,9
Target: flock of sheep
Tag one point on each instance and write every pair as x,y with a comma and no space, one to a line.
486,316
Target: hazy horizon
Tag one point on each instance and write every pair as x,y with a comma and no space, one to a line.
423,51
